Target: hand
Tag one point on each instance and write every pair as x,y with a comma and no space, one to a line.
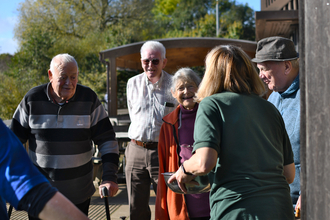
298,207
182,179
112,188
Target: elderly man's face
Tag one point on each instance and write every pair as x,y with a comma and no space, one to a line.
273,74
153,64
64,81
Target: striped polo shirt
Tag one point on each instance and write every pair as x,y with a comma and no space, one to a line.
61,139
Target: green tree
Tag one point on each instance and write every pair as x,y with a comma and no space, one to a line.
197,18
83,28
77,27
237,22
28,68
9,96
178,18
77,19
5,60
14,86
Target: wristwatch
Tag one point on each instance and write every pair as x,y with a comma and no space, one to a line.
187,173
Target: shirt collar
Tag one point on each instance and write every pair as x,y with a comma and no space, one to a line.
50,98
292,88
157,84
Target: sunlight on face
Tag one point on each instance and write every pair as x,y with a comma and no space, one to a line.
153,71
64,81
272,73
185,92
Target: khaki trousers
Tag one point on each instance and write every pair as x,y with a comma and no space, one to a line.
141,170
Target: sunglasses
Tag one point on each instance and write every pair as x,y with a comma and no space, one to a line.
153,61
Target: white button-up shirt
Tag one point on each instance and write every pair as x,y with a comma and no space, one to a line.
147,104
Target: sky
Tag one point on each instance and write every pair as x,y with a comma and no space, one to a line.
9,14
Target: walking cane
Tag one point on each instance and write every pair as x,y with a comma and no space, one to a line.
10,210
105,194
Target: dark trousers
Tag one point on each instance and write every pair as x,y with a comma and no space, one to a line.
141,171
200,218
82,206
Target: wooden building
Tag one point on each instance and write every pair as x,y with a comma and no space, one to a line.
180,52
278,18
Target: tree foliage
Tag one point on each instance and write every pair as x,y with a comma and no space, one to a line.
83,28
238,22
197,18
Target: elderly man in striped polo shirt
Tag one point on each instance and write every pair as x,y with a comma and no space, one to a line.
60,120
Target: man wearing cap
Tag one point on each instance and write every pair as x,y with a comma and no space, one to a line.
278,63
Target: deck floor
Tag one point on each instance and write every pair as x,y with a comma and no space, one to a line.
118,206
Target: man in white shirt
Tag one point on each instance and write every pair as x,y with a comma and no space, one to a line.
148,99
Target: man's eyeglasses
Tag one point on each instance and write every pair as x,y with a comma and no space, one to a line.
153,61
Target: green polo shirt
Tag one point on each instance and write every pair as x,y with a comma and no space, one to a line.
252,144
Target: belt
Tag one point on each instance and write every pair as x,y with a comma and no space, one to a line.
147,145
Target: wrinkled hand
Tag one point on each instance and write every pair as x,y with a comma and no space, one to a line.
182,179
111,186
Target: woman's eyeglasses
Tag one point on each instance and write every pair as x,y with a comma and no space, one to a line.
153,61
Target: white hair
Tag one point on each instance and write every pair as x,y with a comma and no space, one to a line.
185,74
295,63
65,58
154,45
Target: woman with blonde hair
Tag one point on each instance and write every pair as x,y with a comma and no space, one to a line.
240,142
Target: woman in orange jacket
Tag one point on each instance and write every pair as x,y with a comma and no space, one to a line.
174,147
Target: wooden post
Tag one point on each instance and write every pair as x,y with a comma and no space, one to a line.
315,108
112,105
